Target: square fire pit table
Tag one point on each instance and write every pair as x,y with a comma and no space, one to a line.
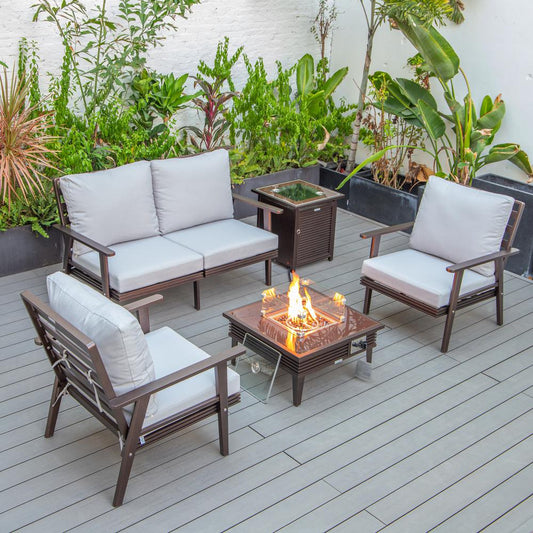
302,355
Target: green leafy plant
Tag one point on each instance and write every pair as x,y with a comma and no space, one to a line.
467,148
103,51
298,192
40,211
375,13
213,100
115,143
277,127
381,129
28,69
157,97
23,141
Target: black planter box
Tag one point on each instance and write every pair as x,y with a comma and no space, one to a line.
242,210
372,200
521,263
22,250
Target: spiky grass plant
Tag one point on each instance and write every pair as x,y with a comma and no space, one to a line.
24,136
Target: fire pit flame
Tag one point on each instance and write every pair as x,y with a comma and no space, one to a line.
295,310
300,313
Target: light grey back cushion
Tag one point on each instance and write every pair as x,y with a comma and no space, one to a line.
115,331
458,223
111,206
190,191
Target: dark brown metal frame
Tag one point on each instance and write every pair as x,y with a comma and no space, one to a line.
102,284
79,370
495,290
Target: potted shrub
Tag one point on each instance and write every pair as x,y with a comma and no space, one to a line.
26,198
381,192
281,134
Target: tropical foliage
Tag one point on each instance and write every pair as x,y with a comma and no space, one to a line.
461,137
276,126
375,13
381,129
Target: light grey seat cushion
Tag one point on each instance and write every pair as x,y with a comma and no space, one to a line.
170,353
458,223
189,191
144,262
115,331
110,206
225,241
421,276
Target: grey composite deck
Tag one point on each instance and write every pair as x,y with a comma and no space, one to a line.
431,441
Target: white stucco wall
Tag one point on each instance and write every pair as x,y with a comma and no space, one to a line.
495,45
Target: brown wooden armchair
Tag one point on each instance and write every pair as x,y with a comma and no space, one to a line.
141,385
460,241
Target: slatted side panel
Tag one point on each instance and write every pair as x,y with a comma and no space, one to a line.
76,363
314,240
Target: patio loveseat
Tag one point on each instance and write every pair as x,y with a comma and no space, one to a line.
147,226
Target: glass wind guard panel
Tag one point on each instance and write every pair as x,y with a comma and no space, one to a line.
258,368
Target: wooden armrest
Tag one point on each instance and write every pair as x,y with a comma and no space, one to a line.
143,303
85,240
256,203
140,308
180,375
481,260
384,231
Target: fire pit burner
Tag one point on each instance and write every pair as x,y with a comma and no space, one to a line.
302,327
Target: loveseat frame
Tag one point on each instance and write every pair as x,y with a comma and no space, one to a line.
102,284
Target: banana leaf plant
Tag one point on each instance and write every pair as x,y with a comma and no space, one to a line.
468,146
313,93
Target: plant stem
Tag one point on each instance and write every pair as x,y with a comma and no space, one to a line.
372,25
52,14
98,53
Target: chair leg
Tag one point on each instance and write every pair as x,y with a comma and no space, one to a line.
452,307
268,272
447,331
499,293
128,455
221,376
196,289
53,411
223,432
499,306
129,449
368,298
